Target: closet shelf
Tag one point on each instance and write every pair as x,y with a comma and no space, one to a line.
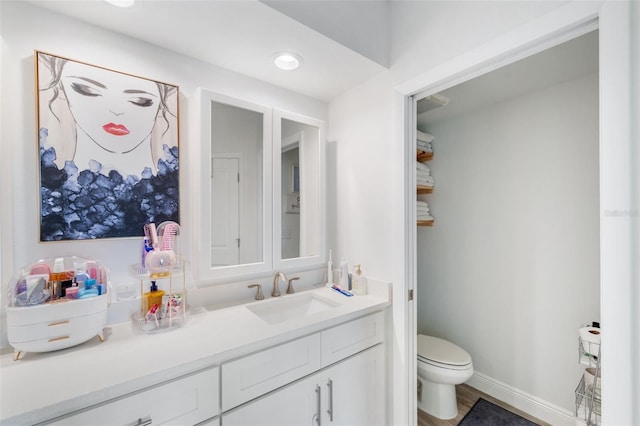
425,222
421,189
423,156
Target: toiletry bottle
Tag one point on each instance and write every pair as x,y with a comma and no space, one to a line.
359,282
330,270
344,274
152,297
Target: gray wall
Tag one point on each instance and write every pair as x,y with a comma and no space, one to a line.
511,268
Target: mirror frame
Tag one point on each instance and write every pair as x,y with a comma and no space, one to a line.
202,240
304,261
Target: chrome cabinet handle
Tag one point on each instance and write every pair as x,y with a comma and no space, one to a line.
330,410
142,421
318,405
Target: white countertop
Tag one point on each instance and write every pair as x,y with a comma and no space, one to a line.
42,386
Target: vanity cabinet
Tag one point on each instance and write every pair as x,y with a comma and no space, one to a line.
333,375
188,400
349,393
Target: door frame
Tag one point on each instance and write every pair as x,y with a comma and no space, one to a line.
619,293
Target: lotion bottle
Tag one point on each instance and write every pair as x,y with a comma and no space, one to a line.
359,283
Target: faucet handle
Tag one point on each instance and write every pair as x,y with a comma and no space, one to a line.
259,295
290,289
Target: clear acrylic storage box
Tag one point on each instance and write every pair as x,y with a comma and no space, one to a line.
163,269
56,303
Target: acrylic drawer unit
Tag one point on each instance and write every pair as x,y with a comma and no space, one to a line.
44,316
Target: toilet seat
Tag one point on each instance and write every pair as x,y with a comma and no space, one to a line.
441,353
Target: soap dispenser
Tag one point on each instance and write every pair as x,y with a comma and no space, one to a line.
359,282
152,297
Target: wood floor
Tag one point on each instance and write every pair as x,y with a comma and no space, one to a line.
467,396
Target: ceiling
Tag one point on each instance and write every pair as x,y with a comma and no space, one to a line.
570,60
243,36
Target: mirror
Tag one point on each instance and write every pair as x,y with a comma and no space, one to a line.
236,189
262,200
301,205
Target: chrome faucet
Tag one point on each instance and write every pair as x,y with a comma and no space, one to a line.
276,283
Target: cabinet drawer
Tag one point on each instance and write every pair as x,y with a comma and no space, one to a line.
188,400
256,374
352,337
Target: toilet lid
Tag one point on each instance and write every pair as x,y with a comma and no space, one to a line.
442,351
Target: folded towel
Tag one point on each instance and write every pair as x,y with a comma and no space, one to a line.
420,203
422,177
422,167
424,136
428,181
424,146
424,217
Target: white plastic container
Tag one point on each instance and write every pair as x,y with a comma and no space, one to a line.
55,324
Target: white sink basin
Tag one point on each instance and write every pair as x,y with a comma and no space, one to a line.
291,307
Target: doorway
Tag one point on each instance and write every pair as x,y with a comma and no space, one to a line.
618,185
515,232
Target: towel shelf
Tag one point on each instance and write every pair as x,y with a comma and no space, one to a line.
423,156
425,222
421,189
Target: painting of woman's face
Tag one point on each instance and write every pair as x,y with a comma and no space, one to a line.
118,114
108,151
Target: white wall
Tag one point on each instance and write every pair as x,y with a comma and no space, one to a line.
366,127
71,38
510,270
427,33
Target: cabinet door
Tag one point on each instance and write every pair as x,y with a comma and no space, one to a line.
355,390
293,405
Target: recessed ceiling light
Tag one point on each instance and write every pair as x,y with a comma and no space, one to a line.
121,3
287,61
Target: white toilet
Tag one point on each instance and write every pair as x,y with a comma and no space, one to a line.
441,366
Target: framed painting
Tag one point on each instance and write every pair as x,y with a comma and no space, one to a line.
108,151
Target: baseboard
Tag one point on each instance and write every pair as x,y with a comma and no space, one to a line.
528,403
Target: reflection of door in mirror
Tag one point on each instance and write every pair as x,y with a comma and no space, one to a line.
290,197
300,189
236,186
225,211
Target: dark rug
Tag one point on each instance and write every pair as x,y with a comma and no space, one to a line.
485,413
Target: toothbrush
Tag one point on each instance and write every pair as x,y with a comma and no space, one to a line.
341,291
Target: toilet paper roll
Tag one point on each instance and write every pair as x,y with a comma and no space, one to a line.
590,334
